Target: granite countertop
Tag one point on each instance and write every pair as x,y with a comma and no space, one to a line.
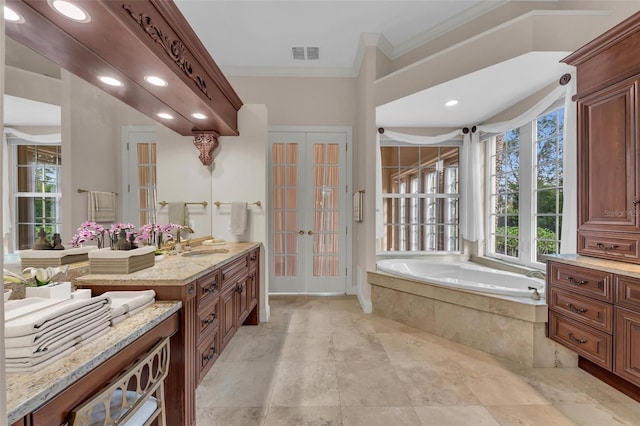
612,266
26,392
173,270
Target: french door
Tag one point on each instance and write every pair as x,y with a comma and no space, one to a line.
308,220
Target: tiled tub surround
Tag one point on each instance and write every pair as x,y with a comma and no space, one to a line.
27,392
509,327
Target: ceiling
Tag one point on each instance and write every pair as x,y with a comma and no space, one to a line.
255,38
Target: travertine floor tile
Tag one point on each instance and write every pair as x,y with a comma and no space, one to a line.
455,416
231,416
306,384
379,416
528,415
356,346
254,347
237,384
370,384
303,416
593,415
300,347
504,390
438,383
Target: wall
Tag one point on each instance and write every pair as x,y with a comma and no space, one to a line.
239,173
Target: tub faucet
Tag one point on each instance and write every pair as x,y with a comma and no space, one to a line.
535,295
536,274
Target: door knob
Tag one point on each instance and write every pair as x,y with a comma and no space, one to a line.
310,232
301,232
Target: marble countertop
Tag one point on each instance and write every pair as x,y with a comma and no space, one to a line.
173,270
612,266
26,392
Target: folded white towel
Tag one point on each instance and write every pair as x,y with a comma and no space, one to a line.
102,206
120,318
53,343
238,221
51,333
53,316
27,366
125,301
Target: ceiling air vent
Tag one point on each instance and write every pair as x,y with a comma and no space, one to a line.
306,53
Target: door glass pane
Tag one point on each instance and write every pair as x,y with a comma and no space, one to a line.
325,209
285,201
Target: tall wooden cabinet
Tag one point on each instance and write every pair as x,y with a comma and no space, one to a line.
594,304
608,72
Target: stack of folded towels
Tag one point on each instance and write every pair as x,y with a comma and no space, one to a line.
40,331
127,303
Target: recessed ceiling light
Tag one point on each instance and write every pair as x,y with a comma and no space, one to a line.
70,10
165,115
156,81
110,81
11,16
452,102
198,116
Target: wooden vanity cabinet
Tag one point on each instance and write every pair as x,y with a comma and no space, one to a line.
608,75
596,314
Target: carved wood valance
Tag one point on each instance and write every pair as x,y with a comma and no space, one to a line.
130,39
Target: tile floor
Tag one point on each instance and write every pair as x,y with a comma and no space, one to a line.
321,361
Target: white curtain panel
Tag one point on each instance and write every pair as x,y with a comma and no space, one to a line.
471,225
49,139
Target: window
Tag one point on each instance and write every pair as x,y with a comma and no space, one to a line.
525,190
147,211
549,151
37,192
420,198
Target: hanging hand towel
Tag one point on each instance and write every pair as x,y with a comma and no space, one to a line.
238,218
102,206
177,212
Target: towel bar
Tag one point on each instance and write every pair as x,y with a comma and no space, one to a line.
80,191
219,203
203,203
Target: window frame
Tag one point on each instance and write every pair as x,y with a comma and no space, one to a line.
527,185
407,196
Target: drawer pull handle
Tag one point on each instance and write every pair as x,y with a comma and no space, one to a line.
190,290
253,258
211,289
210,320
605,248
210,355
576,310
240,288
576,282
573,339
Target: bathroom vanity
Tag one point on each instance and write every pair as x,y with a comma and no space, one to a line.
48,396
219,287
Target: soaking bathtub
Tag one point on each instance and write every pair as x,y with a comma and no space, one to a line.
464,275
484,308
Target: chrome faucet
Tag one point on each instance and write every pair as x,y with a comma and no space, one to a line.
536,274
535,295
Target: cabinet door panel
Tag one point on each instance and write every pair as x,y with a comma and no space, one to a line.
227,315
627,341
607,163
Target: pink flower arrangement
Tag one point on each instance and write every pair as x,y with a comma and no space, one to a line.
156,234
92,231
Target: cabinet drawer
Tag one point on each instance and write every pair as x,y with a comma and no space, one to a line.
609,246
208,318
589,282
208,352
588,311
233,271
627,292
208,288
588,342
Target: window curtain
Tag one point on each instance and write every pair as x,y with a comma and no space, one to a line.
48,139
471,225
